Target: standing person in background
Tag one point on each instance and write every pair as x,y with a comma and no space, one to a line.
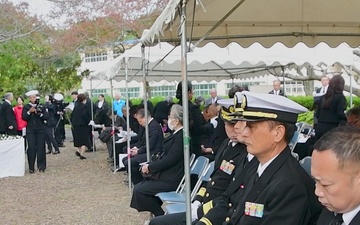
317,95
7,116
118,104
101,110
80,119
21,124
162,109
50,126
277,90
213,97
35,115
331,107
91,109
197,124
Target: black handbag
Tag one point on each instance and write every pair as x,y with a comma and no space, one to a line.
105,136
153,158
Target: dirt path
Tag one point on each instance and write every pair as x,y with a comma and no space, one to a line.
71,191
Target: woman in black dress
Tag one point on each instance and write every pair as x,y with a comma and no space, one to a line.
331,107
80,119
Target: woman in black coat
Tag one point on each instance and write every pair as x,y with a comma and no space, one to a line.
331,107
80,118
170,169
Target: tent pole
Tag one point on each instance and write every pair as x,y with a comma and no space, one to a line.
113,124
351,87
92,115
145,98
128,123
185,112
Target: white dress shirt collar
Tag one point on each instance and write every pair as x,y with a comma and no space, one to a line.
347,217
177,130
261,168
100,104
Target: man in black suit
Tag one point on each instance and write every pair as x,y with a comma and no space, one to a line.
138,152
277,90
335,167
7,116
318,93
278,190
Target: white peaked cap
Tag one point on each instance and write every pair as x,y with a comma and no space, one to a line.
251,106
32,92
58,97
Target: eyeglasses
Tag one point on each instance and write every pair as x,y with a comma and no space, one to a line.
353,122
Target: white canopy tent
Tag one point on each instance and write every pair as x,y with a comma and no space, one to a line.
211,62
266,22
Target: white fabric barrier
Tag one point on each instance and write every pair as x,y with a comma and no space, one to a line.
12,158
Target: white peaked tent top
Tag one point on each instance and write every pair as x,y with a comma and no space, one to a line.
214,63
263,21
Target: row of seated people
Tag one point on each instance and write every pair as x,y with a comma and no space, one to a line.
256,183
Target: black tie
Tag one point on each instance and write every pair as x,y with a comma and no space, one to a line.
338,220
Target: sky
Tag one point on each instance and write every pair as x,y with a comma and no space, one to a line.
38,7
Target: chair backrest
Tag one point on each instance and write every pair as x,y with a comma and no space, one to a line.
197,168
306,164
204,178
181,185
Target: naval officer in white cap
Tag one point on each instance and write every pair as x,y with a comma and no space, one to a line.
278,190
35,115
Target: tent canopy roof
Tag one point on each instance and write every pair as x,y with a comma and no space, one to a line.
214,63
263,21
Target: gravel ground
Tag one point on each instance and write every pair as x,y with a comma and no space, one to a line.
71,191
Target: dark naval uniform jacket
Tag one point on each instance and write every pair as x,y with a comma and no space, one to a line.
326,218
227,160
283,194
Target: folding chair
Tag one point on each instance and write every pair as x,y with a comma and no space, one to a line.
197,168
181,206
306,164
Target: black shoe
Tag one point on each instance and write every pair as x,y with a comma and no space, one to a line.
48,152
56,152
77,153
61,146
91,150
31,171
82,157
41,170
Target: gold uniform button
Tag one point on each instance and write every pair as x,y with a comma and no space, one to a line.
207,195
212,183
230,205
227,219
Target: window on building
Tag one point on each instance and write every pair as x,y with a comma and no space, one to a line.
203,89
95,57
166,90
133,92
96,92
294,87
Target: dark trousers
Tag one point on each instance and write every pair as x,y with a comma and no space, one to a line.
57,134
144,199
136,176
36,150
62,129
91,141
50,139
169,219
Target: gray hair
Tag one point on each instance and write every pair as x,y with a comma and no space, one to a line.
141,113
344,142
177,112
8,95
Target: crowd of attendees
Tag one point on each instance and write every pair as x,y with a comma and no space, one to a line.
255,179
